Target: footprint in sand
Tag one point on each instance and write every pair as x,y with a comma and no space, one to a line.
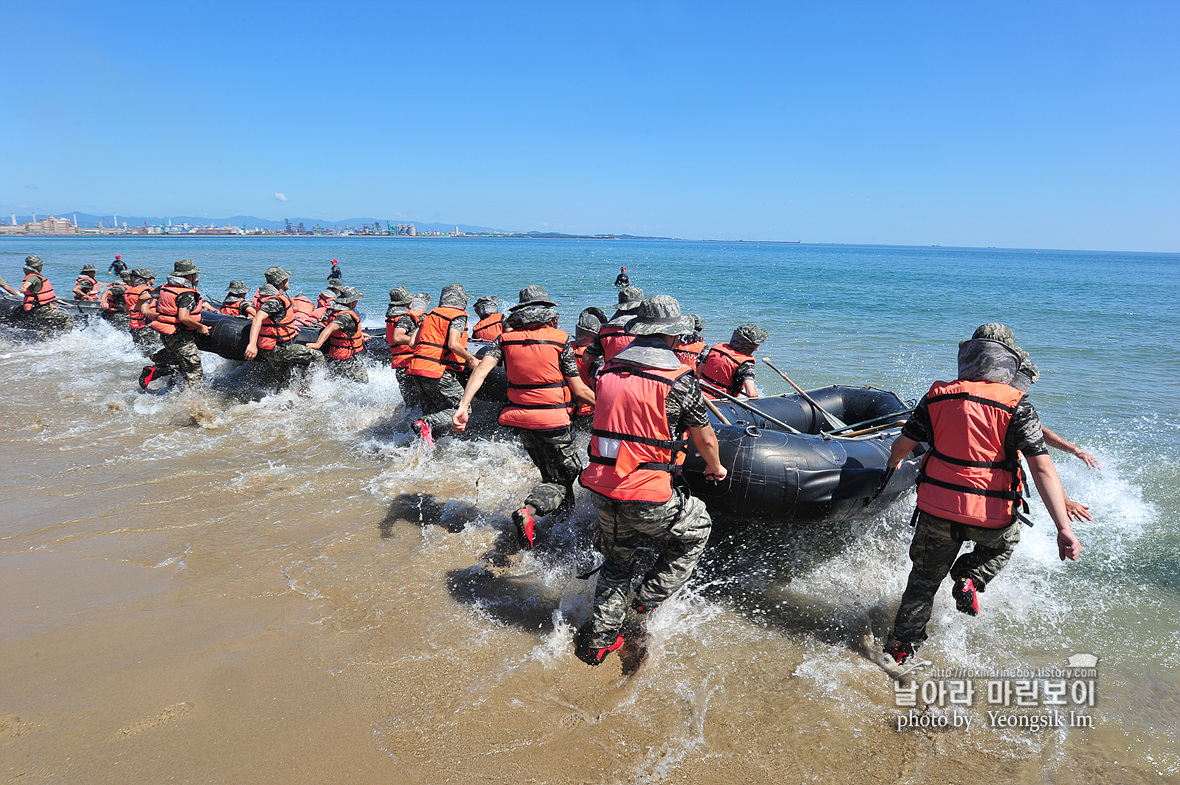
173,712
12,726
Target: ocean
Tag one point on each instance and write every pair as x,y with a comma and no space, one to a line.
234,584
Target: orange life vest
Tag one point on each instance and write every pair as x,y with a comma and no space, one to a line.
304,310
166,320
582,409
613,339
43,297
342,346
488,329
689,353
538,396
91,295
318,315
968,475
632,452
271,333
719,368
234,308
131,297
402,353
431,355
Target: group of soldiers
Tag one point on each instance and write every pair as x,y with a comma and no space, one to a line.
644,375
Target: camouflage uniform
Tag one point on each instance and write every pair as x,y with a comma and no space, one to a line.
552,450
400,303
440,397
937,541
180,356
45,320
678,528
933,551
352,368
284,358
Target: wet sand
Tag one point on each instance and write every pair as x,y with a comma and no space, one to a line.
207,589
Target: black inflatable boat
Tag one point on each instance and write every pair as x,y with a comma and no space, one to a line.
811,475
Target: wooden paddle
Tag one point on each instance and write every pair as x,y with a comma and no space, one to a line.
717,412
832,419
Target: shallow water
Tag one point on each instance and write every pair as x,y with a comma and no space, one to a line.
236,584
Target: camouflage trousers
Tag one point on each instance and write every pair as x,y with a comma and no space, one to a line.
935,553
180,356
440,400
352,368
554,454
146,339
45,321
285,358
408,387
678,529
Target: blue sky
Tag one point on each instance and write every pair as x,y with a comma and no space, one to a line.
1051,125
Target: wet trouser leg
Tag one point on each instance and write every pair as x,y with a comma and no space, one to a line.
408,386
46,321
286,358
933,552
181,357
440,400
993,549
352,368
555,456
679,527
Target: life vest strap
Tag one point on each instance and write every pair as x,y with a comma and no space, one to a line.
531,342
963,396
667,444
988,492
1004,464
632,371
671,468
546,386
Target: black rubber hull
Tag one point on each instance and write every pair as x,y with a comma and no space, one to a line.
803,477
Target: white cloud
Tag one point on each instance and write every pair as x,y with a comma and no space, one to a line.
280,197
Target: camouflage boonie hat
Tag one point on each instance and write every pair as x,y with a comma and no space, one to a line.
276,275
185,267
453,296
349,295
144,273
749,333
591,319
237,287
630,297
533,295
994,331
987,360
335,284
659,315
34,261
424,297
89,268
487,305
1026,375
125,275
399,296
526,315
